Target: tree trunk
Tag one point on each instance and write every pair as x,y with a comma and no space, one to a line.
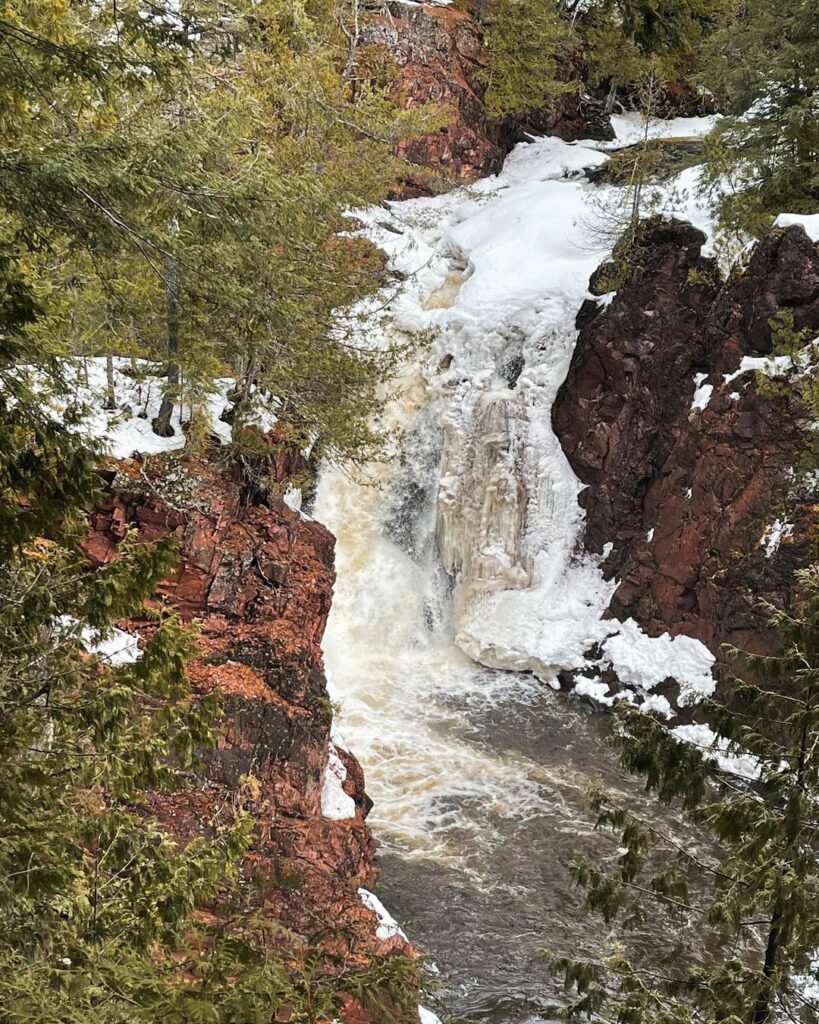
762,1007
110,394
611,99
162,423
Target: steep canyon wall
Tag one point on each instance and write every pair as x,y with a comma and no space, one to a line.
694,482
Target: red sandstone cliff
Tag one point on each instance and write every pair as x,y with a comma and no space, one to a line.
258,578
684,495
439,56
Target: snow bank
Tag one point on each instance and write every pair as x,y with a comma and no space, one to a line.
138,394
644,662
810,222
127,429
631,128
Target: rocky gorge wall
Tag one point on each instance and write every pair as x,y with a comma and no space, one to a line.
439,58
698,496
257,578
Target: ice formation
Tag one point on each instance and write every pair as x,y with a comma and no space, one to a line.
496,275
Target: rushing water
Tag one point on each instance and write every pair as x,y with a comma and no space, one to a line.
479,777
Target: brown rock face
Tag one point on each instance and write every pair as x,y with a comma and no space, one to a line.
439,53
258,578
684,494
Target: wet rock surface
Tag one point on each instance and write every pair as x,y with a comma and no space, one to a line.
689,493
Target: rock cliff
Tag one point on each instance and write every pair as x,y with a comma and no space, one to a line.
438,53
688,456
257,577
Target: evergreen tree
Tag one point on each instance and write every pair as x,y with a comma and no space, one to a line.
197,216
521,44
755,906
88,889
764,156
177,185
627,42
98,907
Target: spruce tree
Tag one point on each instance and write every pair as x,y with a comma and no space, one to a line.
521,43
628,42
754,902
764,155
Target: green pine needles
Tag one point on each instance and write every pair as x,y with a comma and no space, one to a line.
741,925
763,157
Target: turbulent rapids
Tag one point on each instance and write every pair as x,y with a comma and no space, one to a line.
458,560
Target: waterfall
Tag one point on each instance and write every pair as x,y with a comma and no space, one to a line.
458,558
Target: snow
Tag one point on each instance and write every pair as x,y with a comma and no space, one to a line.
744,765
387,925
119,648
810,222
427,1016
335,803
773,535
657,703
495,271
650,535
112,645
702,392
544,159
644,662
127,428
630,128
771,366
594,688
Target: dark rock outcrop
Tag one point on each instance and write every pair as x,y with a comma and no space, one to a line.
686,494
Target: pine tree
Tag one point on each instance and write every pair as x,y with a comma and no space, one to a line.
87,887
627,42
99,919
764,156
213,202
754,905
521,43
